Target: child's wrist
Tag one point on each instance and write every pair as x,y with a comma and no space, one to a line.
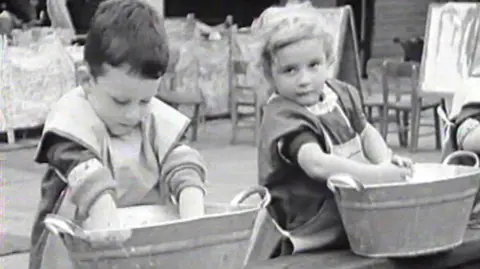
103,203
191,202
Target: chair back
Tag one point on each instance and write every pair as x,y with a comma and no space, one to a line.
399,78
177,70
238,66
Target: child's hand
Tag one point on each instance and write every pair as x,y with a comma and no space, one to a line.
402,161
390,173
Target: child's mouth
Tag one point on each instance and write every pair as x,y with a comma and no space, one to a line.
128,126
302,94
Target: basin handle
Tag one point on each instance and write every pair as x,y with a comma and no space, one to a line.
462,153
344,180
60,225
260,190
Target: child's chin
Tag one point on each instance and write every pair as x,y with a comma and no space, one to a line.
120,131
310,101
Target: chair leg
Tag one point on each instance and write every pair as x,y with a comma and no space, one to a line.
400,128
438,135
202,116
379,110
406,126
234,119
258,120
369,110
384,122
195,122
415,131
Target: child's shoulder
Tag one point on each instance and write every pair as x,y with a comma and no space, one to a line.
70,102
279,105
164,116
348,94
471,110
341,87
72,95
159,109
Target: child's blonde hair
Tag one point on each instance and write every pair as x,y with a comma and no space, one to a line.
284,26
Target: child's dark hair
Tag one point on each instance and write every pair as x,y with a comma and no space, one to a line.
130,33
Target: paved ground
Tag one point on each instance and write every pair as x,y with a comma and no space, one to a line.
231,169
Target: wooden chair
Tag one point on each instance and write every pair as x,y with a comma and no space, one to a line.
373,103
372,98
168,88
407,101
242,94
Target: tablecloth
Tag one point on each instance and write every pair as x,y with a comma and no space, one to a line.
33,78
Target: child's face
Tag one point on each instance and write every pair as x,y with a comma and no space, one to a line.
299,71
121,99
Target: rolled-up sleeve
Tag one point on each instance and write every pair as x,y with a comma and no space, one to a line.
85,175
183,167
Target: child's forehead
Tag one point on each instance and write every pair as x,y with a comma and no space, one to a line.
294,30
305,49
123,83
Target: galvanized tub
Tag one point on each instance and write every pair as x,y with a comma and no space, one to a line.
219,240
424,215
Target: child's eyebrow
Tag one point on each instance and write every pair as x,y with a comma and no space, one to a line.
317,59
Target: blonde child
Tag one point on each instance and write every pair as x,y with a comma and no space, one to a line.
313,127
111,144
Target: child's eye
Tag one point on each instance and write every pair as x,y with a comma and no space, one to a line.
145,102
289,70
315,64
121,102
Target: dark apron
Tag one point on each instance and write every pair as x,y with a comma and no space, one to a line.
323,228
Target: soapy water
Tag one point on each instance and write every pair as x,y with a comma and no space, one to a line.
422,173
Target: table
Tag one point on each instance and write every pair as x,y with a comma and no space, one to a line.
465,256
35,74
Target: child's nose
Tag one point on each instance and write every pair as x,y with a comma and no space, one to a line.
133,115
305,78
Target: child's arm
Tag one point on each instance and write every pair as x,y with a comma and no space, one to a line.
374,146
90,184
59,14
304,149
184,172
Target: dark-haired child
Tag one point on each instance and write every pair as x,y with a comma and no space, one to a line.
111,144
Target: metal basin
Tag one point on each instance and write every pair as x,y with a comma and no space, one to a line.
424,214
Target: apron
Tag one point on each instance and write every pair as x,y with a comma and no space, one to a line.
137,184
325,227
137,178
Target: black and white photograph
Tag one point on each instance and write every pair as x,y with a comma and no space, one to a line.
239,134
